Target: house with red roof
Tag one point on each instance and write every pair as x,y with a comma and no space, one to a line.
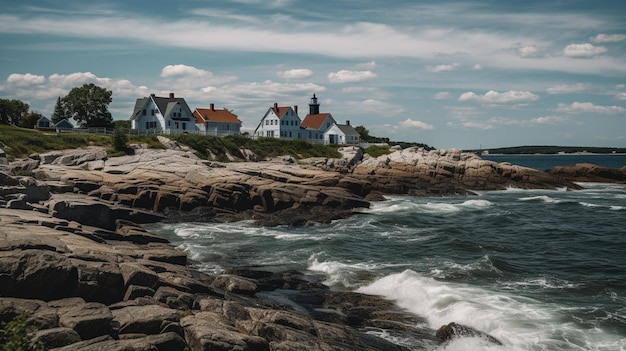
279,122
316,123
217,122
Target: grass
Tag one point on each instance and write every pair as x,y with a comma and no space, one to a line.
262,147
21,142
376,150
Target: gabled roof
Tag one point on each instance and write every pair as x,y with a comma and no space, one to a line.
164,105
280,111
43,118
204,115
347,129
314,121
64,124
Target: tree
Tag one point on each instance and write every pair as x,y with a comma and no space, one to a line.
13,111
59,111
31,119
89,105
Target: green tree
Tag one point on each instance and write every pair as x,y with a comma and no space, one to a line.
31,119
13,111
89,105
59,111
363,133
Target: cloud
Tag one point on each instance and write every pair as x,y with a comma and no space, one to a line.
444,95
297,73
185,71
551,120
366,66
583,50
477,67
588,107
24,80
345,76
409,123
527,51
374,107
568,88
443,68
609,38
494,97
621,96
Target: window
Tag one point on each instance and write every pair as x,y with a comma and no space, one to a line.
267,122
143,112
153,112
290,134
184,126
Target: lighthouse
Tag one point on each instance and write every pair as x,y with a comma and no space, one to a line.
314,106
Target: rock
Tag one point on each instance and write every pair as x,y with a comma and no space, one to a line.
137,274
455,330
586,172
204,332
56,337
235,284
149,319
89,320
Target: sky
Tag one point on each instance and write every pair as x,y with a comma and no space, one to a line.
450,74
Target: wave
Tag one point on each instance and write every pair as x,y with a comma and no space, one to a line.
519,322
347,275
413,205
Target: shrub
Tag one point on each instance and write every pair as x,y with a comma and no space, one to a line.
15,335
120,138
376,151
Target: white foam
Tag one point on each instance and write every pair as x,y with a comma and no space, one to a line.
340,273
520,323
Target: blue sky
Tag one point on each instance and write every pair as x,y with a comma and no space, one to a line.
449,74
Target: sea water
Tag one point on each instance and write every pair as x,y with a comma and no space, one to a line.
537,269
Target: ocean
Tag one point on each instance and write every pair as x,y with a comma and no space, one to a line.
537,269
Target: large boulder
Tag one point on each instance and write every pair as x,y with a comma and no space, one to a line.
587,172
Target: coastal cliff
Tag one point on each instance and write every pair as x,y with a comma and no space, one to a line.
75,259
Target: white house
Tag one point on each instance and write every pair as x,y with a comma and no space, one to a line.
341,134
212,121
279,122
162,115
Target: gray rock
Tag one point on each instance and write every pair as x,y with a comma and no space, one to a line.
148,319
89,320
56,337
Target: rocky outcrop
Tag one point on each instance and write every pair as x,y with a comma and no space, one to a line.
84,292
586,172
415,171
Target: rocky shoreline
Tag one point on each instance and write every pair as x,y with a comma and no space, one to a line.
76,261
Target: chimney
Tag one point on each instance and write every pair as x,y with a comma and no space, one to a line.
347,122
295,108
276,106
212,107
153,94
171,95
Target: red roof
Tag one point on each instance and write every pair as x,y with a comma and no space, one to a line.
314,121
203,115
280,111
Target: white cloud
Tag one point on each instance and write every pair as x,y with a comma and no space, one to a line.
374,107
551,120
444,95
416,124
477,67
185,71
297,73
609,38
568,88
583,50
345,76
24,80
588,107
528,51
621,96
367,66
620,86
494,97
443,68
